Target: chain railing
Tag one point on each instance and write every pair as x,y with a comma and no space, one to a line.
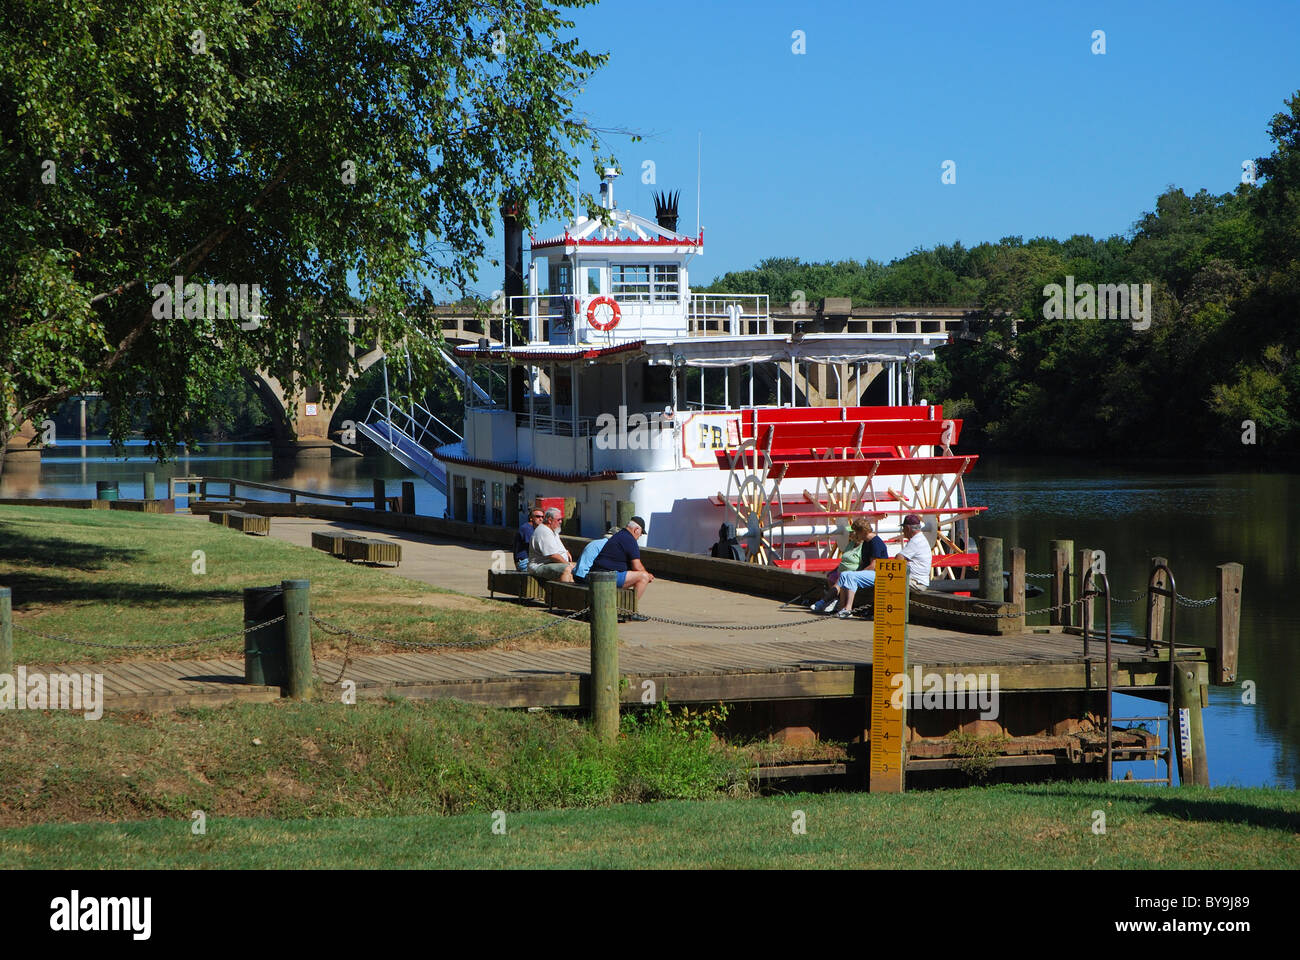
336,630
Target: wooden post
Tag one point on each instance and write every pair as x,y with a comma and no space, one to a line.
1228,622
624,511
1087,609
569,526
148,484
6,631
1188,676
378,487
1062,554
203,489
992,585
408,496
1156,604
1018,585
604,654
297,635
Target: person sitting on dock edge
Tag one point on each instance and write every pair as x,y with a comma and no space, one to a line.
850,559
547,558
851,581
589,554
916,551
622,555
524,537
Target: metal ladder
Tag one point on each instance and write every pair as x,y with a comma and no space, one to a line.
1164,749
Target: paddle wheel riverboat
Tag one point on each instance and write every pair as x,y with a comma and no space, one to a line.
619,390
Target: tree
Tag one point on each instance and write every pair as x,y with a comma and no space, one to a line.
316,153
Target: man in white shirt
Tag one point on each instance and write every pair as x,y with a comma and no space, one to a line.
916,551
547,558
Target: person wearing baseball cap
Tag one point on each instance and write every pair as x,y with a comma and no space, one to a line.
916,551
622,555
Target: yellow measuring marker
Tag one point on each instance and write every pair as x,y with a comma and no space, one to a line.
888,652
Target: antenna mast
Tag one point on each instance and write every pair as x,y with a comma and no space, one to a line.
699,146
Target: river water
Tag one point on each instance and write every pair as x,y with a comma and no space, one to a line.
1132,511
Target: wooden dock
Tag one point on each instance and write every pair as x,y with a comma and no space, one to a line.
757,667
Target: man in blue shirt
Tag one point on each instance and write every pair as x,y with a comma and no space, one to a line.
622,555
589,554
524,536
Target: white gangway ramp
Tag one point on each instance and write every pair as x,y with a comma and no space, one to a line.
409,433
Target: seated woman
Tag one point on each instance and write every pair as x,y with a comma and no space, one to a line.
850,560
851,581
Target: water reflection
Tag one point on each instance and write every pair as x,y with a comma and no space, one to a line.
1197,521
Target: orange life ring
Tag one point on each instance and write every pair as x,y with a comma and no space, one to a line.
613,321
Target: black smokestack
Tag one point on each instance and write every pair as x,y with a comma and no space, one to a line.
514,236
514,287
666,209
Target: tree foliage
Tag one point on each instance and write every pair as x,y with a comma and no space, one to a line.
332,154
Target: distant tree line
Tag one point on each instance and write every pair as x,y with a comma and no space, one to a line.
1217,368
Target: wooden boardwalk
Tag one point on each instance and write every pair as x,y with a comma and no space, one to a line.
757,666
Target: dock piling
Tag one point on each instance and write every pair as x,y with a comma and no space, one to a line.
378,487
147,485
408,496
6,631
1017,569
1227,622
1087,610
992,586
1062,552
1188,677
1156,603
604,654
297,635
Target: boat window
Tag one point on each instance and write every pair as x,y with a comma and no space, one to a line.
630,281
560,279
480,501
666,281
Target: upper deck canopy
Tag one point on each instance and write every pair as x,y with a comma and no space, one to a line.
723,351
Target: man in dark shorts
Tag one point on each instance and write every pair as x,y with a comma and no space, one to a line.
524,536
622,555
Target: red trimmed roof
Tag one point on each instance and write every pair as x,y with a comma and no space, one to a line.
566,240
573,353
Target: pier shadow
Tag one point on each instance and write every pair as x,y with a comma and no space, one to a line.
1205,810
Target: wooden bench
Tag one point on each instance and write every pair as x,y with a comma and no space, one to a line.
243,522
331,541
516,583
577,596
372,551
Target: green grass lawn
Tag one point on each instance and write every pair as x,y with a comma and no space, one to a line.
118,577
993,827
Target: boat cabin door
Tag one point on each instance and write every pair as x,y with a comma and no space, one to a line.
593,281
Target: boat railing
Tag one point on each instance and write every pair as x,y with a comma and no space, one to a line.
412,419
728,314
558,426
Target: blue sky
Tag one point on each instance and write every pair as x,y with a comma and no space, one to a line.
838,153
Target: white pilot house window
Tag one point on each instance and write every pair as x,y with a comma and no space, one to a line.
644,282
